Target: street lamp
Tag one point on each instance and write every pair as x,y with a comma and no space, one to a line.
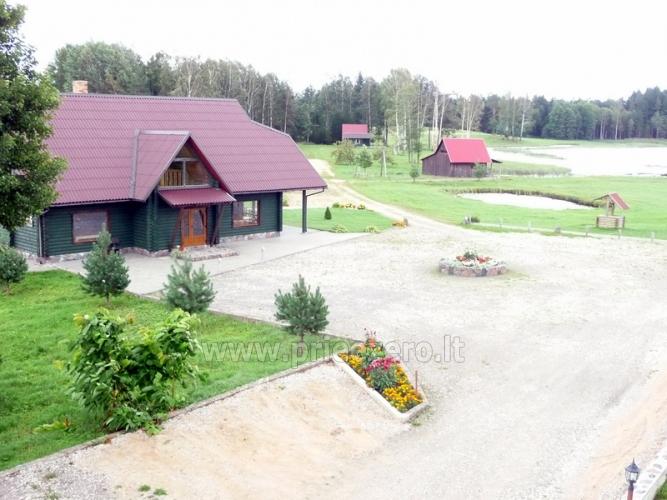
631,475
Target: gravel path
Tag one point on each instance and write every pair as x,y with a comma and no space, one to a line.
556,353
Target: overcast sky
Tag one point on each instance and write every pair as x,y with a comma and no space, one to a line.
559,48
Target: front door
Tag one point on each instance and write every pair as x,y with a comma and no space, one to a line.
193,227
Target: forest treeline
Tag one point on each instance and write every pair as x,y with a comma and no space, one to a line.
401,102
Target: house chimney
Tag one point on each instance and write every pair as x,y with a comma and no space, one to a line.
80,86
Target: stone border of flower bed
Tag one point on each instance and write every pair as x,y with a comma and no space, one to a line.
378,398
457,268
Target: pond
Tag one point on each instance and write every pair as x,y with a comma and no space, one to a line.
525,201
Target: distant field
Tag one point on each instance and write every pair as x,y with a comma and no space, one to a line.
435,197
354,221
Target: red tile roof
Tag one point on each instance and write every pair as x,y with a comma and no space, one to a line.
355,131
114,153
155,151
195,196
616,199
466,151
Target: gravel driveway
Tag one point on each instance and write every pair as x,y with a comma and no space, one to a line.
556,355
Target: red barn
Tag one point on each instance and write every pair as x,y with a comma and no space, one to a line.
357,133
456,158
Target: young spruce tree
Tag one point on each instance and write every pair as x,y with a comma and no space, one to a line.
106,271
187,288
303,310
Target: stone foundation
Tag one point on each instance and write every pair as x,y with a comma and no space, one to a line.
457,268
254,236
213,251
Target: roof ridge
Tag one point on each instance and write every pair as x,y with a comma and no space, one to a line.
144,96
269,128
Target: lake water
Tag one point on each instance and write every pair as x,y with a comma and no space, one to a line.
614,160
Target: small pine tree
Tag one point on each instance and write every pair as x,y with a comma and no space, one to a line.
327,214
414,173
106,271
303,310
13,267
188,289
480,170
364,159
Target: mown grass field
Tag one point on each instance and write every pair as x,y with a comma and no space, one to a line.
354,221
37,327
436,197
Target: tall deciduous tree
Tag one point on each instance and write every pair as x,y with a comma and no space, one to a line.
108,68
27,171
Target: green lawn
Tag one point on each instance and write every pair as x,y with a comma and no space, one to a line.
662,493
355,221
37,326
436,196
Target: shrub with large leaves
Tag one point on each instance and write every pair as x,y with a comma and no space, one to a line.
129,380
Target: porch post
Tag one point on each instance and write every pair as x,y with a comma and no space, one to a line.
304,211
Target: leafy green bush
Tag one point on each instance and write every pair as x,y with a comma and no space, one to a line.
129,381
474,219
480,170
186,288
327,214
344,153
339,228
303,310
106,271
13,267
371,229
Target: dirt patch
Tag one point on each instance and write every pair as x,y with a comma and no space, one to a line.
282,439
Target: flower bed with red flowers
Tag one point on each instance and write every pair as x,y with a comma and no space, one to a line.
383,373
471,264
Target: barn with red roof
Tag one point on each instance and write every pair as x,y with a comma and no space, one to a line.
164,172
456,158
357,133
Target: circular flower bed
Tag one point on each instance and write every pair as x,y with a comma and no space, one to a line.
470,264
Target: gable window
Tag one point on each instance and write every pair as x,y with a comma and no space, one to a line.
185,170
245,213
87,225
